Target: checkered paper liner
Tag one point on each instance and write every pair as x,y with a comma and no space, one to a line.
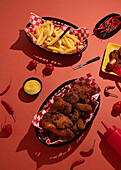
87,80
35,20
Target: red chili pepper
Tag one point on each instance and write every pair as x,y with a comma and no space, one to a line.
106,92
117,24
89,152
108,21
117,16
77,163
7,88
111,28
100,28
11,111
32,64
117,107
49,68
101,25
103,31
7,128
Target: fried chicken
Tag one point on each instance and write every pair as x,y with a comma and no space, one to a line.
61,106
61,121
78,126
84,92
60,132
75,115
71,97
83,107
67,114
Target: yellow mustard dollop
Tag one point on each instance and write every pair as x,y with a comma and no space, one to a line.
32,87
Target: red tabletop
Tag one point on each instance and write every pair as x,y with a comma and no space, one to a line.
22,150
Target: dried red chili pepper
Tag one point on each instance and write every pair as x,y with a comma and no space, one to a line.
9,107
100,28
7,88
77,163
118,16
89,152
103,30
117,24
106,92
7,128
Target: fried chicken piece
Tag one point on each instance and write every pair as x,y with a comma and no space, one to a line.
74,128
84,92
46,117
114,55
119,62
60,132
76,88
75,115
80,124
60,105
61,121
119,53
83,107
71,97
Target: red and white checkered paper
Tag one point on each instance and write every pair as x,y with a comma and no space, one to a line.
35,20
87,80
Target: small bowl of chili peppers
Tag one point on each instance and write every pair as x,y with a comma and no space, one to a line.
108,26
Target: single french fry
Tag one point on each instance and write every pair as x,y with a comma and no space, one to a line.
40,39
54,49
33,36
51,29
70,51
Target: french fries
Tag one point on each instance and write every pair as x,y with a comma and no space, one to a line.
46,36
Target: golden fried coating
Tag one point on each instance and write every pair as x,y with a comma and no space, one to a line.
61,121
61,132
83,92
67,114
61,106
83,107
80,124
74,128
75,115
114,55
71,97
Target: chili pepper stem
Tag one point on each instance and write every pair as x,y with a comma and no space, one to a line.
14,114
71,168
10,81
5,121
93,145
113,95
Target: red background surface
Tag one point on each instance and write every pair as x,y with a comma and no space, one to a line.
22,150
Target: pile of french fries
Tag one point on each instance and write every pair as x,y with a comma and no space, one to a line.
46,35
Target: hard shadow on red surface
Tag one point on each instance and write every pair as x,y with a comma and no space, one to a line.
26,98
44,155
41,56
110,154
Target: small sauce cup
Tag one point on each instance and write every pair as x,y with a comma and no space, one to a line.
32,86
